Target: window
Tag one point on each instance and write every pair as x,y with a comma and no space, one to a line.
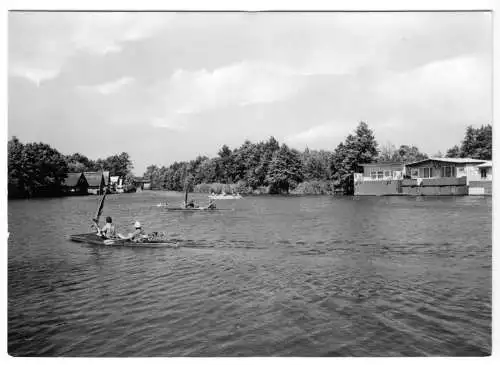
387,173
380,174
373,174
427,172
448,171
484,174
414,172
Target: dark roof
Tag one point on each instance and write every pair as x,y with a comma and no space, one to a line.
93,178
72,179
382,164
448,160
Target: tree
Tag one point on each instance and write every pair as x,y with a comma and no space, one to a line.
285,170
35,168
408,154
388,153
477,143
453,152
118,165
358,148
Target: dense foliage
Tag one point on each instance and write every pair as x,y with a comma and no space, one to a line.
477,143
36,169
271,167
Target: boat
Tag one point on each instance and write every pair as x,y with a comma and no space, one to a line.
225,196
154,240
199,209
94,239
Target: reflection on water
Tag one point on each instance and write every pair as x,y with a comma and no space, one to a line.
298,276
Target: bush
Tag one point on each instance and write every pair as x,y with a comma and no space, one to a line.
216,188
314,187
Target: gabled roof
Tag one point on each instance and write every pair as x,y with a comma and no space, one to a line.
449,160
93,178
72,179
486,164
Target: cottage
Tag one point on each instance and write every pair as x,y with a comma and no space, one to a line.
481,184
75,183
379,179
96,182
438,168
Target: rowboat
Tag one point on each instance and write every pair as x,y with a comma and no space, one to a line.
94,239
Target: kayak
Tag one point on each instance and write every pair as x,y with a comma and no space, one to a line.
94,239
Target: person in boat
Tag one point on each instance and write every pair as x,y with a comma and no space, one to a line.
211,204
191,204
138,234
109,229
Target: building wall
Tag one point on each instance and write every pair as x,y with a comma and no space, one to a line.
483,187
377,188
367,170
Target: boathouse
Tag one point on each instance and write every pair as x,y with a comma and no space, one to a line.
75,183
96,182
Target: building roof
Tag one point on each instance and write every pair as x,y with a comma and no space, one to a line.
448,159
93,178
382,164
72,179
486,164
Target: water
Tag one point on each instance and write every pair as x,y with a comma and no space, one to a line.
297,276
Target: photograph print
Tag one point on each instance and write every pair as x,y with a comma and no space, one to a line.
249,184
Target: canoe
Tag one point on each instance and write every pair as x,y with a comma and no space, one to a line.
94,239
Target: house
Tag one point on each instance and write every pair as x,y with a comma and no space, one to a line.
481,184
75,183
142,184
113,183
437,168
441,176
96,182
380,178
432,176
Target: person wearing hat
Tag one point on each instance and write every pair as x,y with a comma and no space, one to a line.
137,235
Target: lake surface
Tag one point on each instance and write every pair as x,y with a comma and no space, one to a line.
278,276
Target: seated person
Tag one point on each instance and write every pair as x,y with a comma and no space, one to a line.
138,235
108,231
191,204
211,204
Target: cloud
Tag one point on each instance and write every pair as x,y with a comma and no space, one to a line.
456,87
240,84
41,43
318,134
109,87
35,75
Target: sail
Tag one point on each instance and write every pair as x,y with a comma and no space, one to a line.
99,208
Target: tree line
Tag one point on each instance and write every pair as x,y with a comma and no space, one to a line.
37,169
281,169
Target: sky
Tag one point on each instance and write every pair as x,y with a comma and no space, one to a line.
166,87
